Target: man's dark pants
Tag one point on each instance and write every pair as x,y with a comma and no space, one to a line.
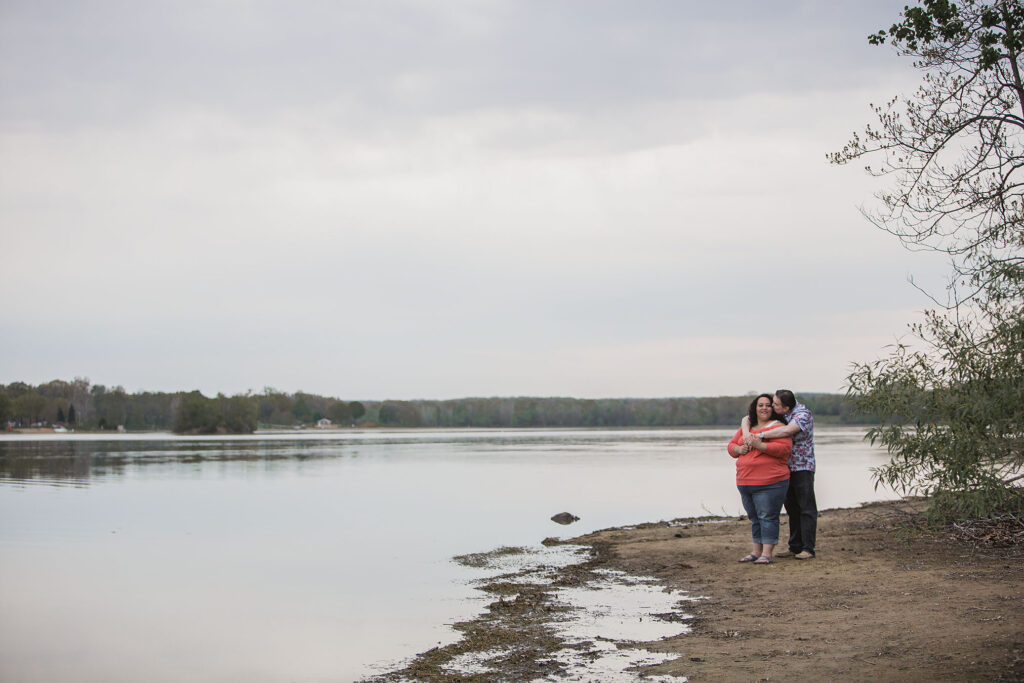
802,510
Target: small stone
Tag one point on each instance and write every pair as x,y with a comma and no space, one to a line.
565,518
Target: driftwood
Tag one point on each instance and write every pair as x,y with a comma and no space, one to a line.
1003,531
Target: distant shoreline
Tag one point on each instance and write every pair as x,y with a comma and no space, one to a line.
84,405
43,431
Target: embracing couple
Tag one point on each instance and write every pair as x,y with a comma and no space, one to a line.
774,452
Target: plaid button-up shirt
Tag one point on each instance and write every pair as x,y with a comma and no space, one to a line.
802,455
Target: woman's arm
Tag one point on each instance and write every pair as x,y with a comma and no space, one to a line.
736,447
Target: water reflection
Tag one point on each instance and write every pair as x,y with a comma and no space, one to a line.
74,460
56,463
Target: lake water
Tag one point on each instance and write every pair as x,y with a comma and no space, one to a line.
320,556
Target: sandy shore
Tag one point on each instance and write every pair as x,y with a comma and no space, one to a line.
879,602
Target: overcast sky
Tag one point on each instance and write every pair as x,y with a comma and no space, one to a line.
444,198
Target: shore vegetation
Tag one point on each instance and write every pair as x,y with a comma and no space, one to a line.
951,397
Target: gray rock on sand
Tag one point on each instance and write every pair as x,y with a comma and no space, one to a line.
565,518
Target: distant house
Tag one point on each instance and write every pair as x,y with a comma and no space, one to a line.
324,423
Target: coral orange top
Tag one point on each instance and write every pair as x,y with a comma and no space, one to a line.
756,468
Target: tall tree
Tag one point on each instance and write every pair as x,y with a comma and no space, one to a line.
238,414
339,412
197,414
29,407
954,150
6,412
300,409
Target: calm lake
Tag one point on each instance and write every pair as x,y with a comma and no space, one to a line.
316,556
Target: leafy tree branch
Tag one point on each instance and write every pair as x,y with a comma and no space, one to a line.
953,399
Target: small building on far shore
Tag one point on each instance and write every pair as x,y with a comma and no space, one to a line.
324,423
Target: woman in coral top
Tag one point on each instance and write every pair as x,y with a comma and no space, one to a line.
762,476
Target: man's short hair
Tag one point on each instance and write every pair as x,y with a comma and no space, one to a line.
787,398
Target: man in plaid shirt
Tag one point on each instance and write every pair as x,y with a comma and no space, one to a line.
801,505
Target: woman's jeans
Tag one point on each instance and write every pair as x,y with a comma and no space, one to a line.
763,504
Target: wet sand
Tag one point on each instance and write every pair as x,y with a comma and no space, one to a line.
881,601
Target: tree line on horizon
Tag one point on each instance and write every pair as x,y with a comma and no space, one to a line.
81,405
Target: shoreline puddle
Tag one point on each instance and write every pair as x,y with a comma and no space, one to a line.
556,614
609,620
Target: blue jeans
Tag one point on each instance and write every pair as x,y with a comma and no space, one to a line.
763,504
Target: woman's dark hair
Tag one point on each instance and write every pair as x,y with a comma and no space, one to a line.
787,398
752,411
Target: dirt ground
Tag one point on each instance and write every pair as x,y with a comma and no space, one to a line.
878,602
881,601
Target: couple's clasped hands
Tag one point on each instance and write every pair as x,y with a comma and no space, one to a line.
750,443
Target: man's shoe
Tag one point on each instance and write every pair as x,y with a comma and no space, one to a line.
804,555
783,553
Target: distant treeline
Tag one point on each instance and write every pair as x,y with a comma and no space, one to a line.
601,412
79,404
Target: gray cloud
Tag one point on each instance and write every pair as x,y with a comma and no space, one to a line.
383,198
111,62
